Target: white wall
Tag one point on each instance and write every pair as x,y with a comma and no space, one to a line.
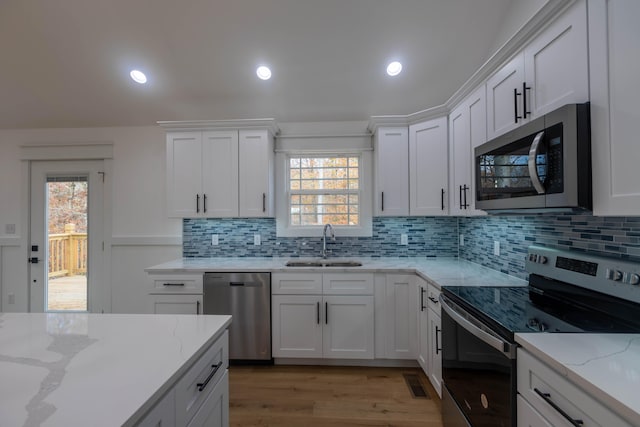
142,235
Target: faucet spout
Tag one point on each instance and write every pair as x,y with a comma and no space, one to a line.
324,238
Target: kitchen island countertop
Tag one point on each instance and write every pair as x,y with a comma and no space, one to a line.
441,271
68,369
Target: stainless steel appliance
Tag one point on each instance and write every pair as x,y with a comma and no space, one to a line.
544,164
568,292
247,298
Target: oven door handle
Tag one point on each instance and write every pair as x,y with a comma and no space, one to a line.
533,167
477,329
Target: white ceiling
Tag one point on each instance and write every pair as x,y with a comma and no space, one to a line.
65,63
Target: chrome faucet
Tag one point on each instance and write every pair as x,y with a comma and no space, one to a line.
324,238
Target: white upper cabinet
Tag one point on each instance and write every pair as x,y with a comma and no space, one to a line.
504,107
467,130
256,173
428,168
220,173
551,71
391,163
615,113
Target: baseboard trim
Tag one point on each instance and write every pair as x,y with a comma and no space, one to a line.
379,363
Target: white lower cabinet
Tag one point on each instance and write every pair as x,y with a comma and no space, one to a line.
175,294
200,397
401,322
548,398
323,325
435,338
423,326
176,304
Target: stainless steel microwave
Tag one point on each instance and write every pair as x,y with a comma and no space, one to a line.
542,165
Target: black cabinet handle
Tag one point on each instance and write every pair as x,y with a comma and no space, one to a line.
516,94
382,201
466,205
173,284
197,203
236,283
326,313
422,292
434,300
524,99
204,203
460,197
547,398
438,348
201,386
318,312
442,198
264,202
197,307
463,196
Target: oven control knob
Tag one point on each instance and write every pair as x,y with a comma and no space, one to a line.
614,275
634,279
542,259
542,327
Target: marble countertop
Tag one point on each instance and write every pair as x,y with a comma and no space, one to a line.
441,271
64,369
606,366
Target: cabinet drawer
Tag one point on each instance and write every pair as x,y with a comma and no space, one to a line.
176,284
543,388
296,283
214,412
433,298
194,387
347,283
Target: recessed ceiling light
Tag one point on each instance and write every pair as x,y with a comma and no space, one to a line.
138,76
263,72
394,68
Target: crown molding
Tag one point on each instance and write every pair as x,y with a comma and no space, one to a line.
269,124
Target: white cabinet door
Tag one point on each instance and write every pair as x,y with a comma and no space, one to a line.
556,63
348,327
615,113
297,325
529,417
423,329
184,174
435,351
391,164
428,166
214,411
176,304
467,130
402,321
504,93
220,173
256,173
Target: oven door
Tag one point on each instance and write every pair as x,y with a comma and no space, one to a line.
478,372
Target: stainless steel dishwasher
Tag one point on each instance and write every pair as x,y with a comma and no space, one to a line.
247,298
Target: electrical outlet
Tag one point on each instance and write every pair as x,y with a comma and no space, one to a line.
496,296
496,248
10,229
256,240
214,239
404,239
461,239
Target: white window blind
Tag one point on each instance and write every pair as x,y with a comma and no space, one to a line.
324,189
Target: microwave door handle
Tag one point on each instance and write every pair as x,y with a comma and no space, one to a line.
533,169
477,330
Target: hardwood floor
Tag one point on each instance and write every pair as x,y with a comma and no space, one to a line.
314,396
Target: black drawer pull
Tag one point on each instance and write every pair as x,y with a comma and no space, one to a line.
201,386
547,398
173,284
422,292
236,284
433,300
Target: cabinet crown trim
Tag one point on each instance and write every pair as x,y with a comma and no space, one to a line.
269,124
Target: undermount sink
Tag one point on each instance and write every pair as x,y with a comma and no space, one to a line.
323,263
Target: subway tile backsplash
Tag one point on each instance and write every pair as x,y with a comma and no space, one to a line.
428,237
608,236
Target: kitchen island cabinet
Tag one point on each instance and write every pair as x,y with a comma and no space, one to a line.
62,369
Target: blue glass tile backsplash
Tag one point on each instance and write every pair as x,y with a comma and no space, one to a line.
427,236
609,236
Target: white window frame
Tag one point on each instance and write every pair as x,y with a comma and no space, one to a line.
283,225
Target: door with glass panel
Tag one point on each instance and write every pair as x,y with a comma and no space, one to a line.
66,239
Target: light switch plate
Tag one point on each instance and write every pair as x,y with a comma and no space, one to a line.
214,239
496,248
256,240
461,239
404,239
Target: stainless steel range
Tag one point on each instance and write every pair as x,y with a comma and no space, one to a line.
568,292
